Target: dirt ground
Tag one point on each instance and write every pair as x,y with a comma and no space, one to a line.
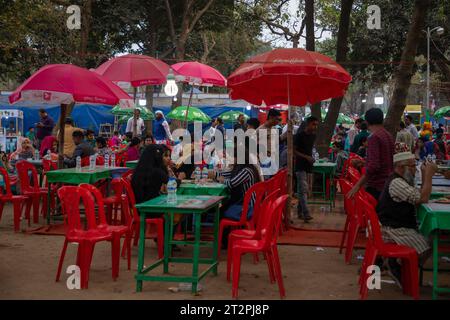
28,268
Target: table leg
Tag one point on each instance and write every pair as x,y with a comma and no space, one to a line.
216,238
141,252
48,204
196,254
435,262
166,241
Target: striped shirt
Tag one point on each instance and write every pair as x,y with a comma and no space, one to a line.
401,191
240,183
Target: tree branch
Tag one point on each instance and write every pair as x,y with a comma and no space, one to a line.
171,25
200,14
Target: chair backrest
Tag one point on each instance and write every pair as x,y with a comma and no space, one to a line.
71,197
130,197
258,189
6,191
121,159
349,204
100,161
98,197
278,181
24,168
371,219
48,165
128,175
265,213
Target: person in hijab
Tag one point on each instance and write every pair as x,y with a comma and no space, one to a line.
24,150
49,143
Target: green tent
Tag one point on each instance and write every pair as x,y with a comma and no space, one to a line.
194,114
442,112
145,113
232,116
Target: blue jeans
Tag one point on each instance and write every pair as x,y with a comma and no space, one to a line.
234,212
302,189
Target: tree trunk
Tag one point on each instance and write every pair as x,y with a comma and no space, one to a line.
327,127
61,123
86,19
69,109
404,72
311,46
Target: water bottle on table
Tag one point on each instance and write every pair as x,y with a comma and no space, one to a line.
48,156
172,191
113,160
78,163
107,160
197,174
204,175
91,162
36,155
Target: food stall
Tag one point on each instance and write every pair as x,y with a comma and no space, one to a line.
11,128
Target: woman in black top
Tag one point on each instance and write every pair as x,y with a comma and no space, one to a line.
151,174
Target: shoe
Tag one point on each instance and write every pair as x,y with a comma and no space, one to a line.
307,218
395,271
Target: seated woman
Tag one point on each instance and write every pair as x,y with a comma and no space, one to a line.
339,156
151,174
239,178
133,149
24,150
101,147
49,143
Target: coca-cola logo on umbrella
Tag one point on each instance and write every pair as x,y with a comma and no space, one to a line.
47,96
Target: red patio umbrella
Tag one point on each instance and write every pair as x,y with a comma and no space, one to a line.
198,74
66,84
138,70
312,77
288,76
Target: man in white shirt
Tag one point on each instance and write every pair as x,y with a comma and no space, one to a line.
411,127
135,124
354,131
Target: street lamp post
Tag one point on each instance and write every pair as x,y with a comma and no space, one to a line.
439,31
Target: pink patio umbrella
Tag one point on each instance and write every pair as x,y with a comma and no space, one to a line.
138,70
68,84
198,74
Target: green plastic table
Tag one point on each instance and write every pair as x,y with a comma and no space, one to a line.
326,169
208,189
439,192
132,164
185,205
434,217
75,176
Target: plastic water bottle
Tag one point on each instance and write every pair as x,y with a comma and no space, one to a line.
204,175
113,160
433,158
49,155
78,163
107,160
36,155
197,174
172,191
91,162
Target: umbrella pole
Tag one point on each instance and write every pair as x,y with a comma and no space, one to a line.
187,109
290,159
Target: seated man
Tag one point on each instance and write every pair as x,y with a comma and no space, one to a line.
339,156
82,149
397,208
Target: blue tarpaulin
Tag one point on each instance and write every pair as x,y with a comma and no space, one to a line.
92,116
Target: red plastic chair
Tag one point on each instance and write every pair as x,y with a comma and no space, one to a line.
114,202
266,243
251,233
158,222
32,189
86,238
99,161
17,201
121,159
128,175
376,247
49,165
259,189
117,231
